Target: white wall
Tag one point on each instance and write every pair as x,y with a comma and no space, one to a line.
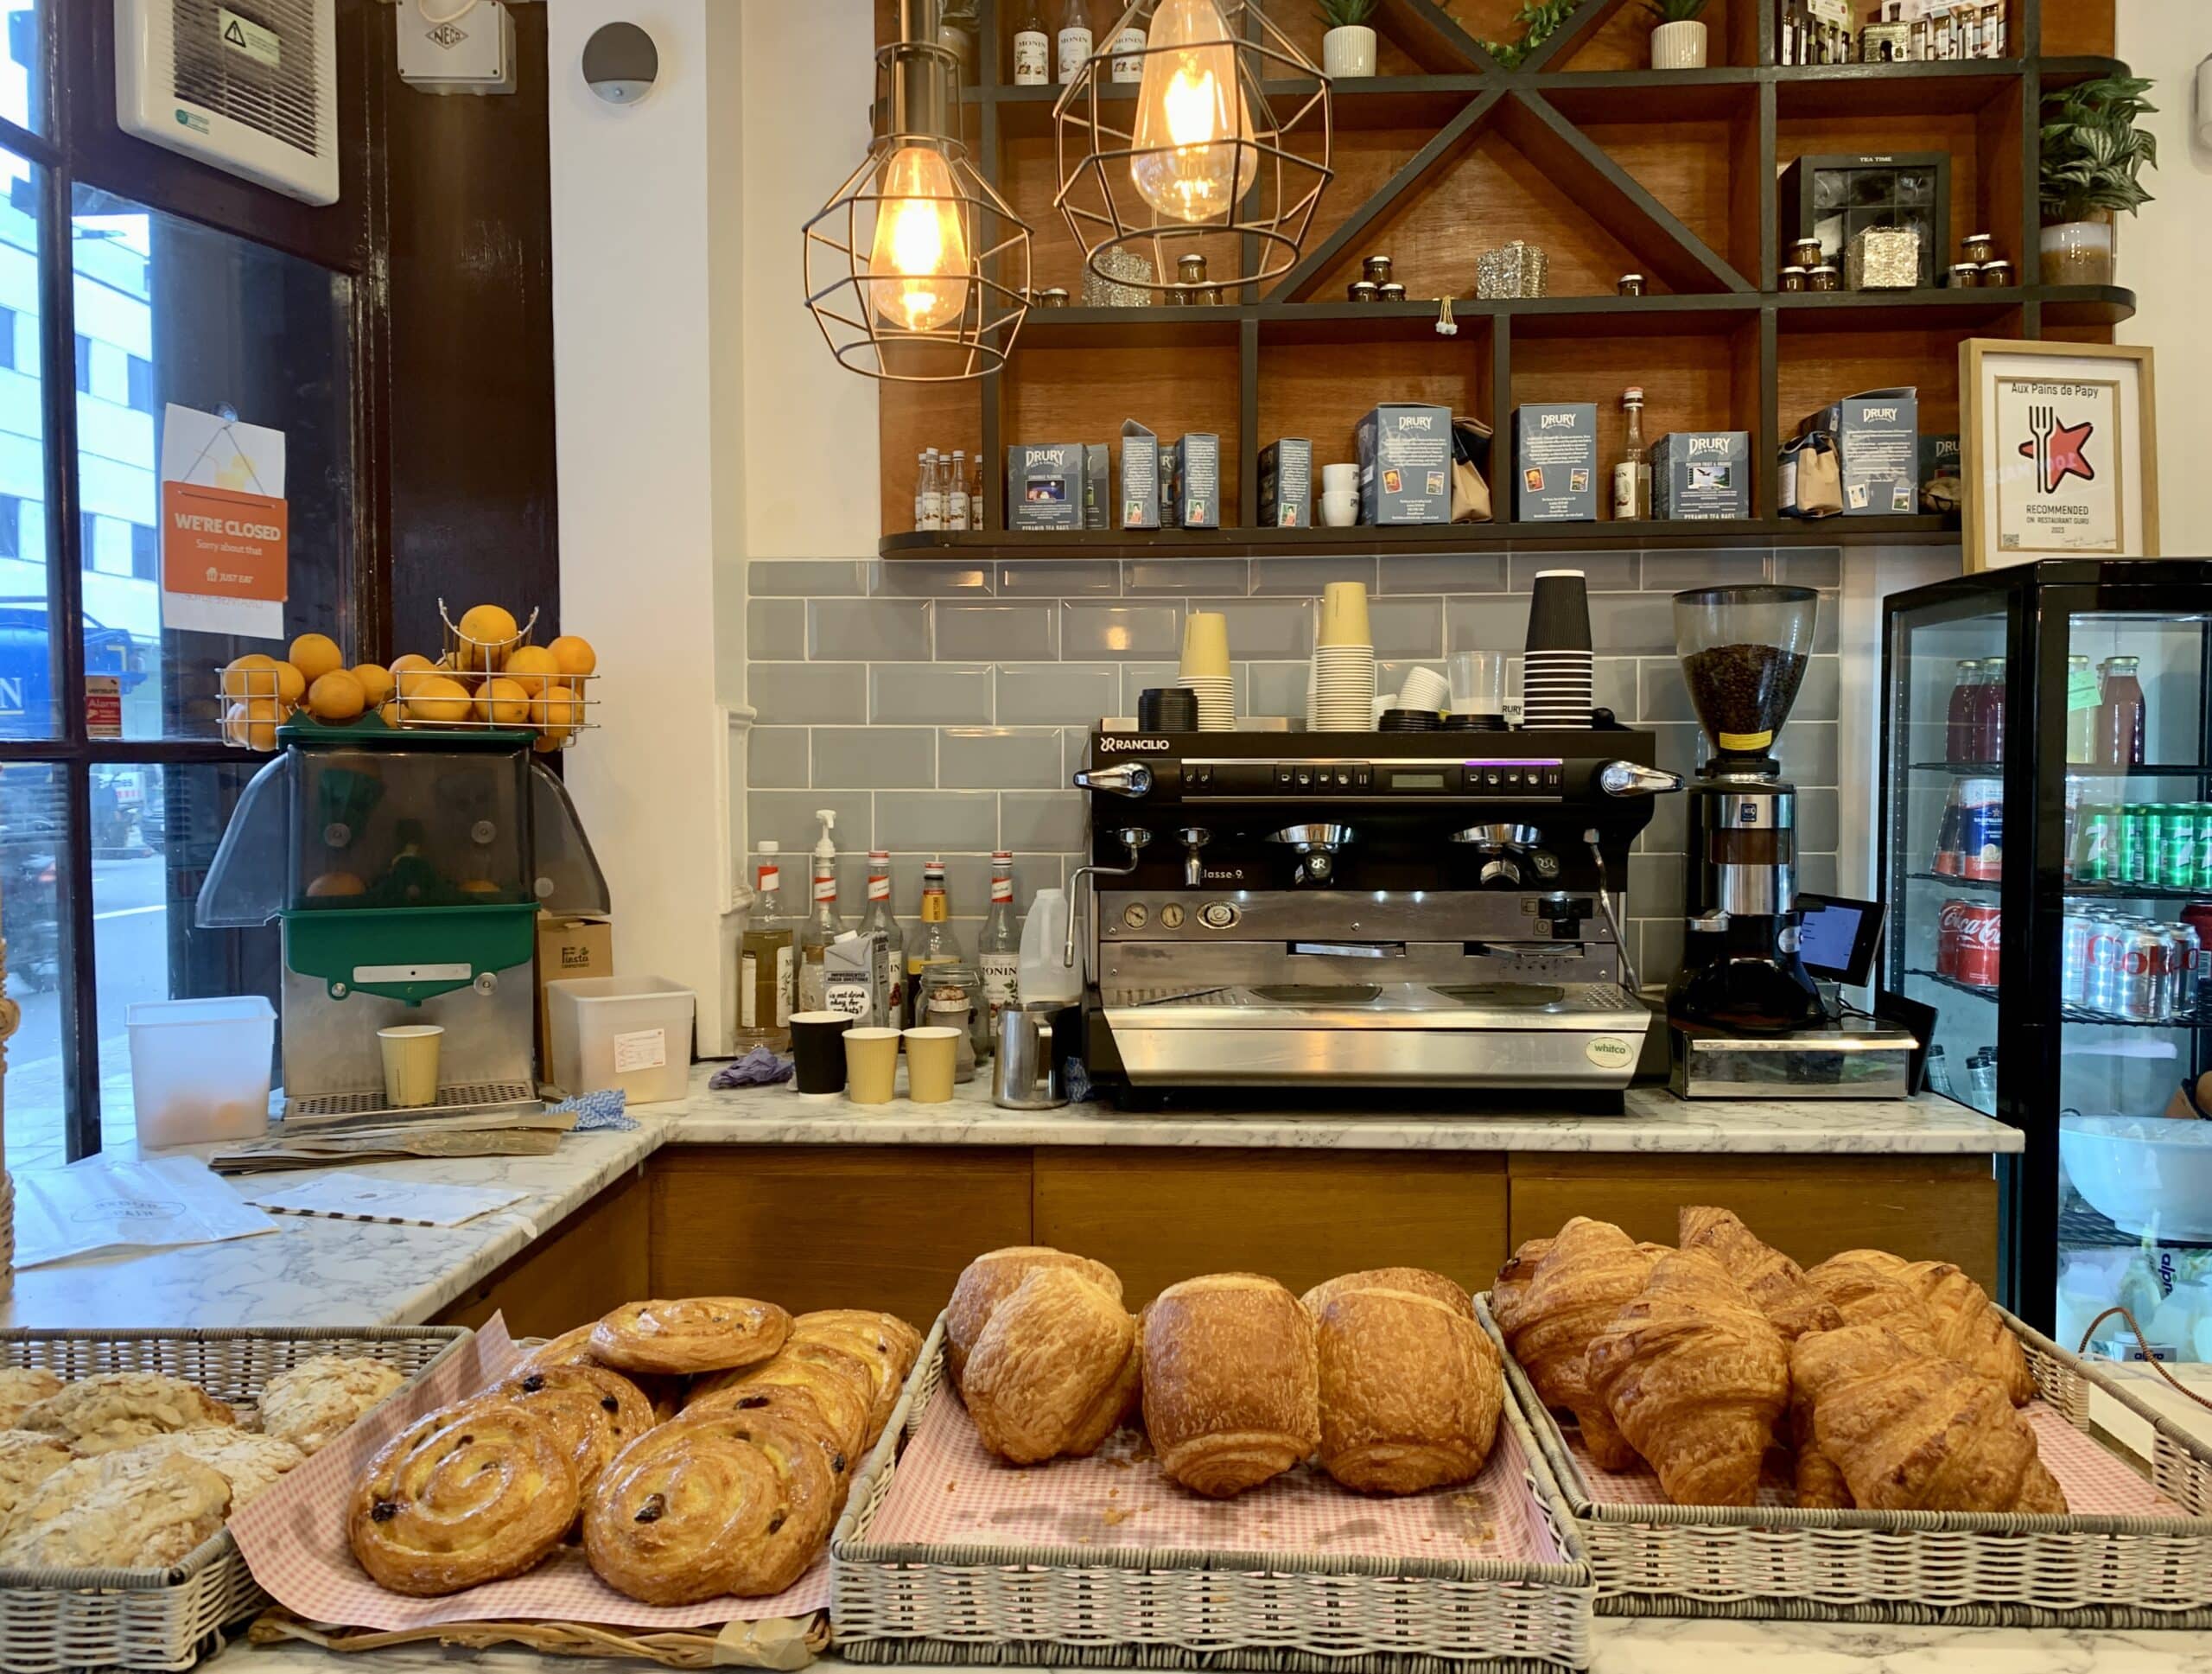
2164,252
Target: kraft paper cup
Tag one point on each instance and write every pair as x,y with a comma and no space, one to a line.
1343,615
1205,645
871,1065
410,1064
932,1061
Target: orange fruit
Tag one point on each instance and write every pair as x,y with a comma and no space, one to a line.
253,723
376,683
337,697
332,885
573,654
251,675
315,655
491,631
436,697
531,666
503,703
389,713
556,714
291,685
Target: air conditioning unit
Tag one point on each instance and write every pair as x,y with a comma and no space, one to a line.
250,87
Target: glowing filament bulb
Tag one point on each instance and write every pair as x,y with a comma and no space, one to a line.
1190,113
919,260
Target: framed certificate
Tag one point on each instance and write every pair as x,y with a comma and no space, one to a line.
2060,447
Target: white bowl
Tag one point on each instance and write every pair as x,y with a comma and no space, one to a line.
2145,1175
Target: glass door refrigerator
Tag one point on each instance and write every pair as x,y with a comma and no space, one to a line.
2046,854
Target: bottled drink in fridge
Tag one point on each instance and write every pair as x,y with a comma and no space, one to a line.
1032,47
765,974
1989,711
2118,741
2081,700
933,942
822,926
998,950
1959,740
892,973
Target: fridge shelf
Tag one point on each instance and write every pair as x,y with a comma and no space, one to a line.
2080,1227
2080,892
2068,1014
2074,769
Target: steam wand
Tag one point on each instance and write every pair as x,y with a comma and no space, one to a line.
1613,914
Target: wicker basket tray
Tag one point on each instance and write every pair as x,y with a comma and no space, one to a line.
1951,1568
1127,1606
166,1619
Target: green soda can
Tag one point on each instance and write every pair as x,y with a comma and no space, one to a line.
2203,882
2134,843
2177,855
2096,845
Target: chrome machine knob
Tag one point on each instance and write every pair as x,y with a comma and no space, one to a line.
1130,778
1632,778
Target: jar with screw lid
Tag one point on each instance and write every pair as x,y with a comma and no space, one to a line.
1630,284
1793,277
1826,277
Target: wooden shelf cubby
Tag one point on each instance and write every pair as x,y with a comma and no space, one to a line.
1608,165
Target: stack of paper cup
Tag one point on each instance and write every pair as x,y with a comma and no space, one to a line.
1424,690
1205,670
1557,671
1344,662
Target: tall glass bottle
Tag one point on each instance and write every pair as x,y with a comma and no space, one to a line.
2119,717
1632,475
892,970
956,492
1128,52
933,942
2082,697
998,950
764,984
1989,712
1073,39
823,925
1032,46
1959,740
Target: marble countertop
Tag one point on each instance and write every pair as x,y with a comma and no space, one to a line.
315,1272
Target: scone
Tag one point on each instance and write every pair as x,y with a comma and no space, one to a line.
697,1334
1411,1389
122,1409
1046,1377
248,1462
1231,1386
22,1388
27,1459
311,1404
133,1512
990,1279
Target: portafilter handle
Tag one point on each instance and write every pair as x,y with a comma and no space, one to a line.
1131,837
1633,779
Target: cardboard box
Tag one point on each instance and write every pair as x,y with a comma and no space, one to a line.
1878,434
1701,475
856,977
1141,490
1405,465
1045,484
1939,458
1555,463
1097,484
1193,483
1286,484
567,948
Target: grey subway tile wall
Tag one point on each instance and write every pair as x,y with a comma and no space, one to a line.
940,707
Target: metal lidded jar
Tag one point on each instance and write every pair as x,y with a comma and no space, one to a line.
1191,269
1977,248
1375,269
1361,291
1965,275
1207,295
1793,277
1393,292
1997,275
1826,277
1630,284
1806,253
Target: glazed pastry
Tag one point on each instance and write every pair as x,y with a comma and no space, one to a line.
1419,1280
1868,1288
990,1279
1590,1271
1410,1391
125,1510
1776,1283
470,1494
1696,1376
1914,1431
1121,1403
1051,1358
885,1344
796,1406
251,1463
1509,1291
597,1412
1969,1329
838,1381
1232,1382
708,1504
118,1410
698,1334
27,1459
22,1388
570,1348
312,1404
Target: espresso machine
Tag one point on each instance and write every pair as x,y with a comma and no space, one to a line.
1377,910
1746,1018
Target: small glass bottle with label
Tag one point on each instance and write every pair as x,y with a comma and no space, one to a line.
1128,52
823,925
764,981
1632,475
1073,39
892,978
956,492
998,950
933,942
1032,47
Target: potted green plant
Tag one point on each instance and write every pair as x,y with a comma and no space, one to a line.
1678,35
2093,159
1538,19
1348,50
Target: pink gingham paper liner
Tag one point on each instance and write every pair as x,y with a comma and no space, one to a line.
294,1537
2097,1483
950,1491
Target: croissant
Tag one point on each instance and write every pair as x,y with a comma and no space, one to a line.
1052,1372
1695,1377
1410,1388
1591,1269
1913,1431
1868,1288
1510,1288
1970,1330
1820,1484
1776,1283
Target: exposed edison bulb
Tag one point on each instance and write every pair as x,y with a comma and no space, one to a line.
1191,112
921,242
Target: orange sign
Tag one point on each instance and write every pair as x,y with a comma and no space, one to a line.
221,544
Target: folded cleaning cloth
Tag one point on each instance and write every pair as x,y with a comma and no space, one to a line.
598,1112
760,1067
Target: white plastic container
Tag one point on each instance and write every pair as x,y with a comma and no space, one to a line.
630,1033
200,1069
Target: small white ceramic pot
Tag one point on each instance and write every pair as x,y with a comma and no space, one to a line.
2078,253
1349,51
1678,45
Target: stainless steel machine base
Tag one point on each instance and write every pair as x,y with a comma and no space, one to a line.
1862,1060
330,1046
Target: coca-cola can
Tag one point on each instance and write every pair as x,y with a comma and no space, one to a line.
1978,934
2188,960
2137,987
2107,947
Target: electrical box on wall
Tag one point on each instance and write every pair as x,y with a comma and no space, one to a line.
456,46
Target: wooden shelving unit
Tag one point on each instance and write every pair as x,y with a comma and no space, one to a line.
1610,167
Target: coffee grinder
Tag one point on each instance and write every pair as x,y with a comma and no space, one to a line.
1745,651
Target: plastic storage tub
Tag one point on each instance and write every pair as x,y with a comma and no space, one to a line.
200,1069
630,1033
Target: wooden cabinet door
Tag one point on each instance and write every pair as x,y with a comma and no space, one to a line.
591,1263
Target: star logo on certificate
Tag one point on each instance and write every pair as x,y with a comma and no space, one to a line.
2060,450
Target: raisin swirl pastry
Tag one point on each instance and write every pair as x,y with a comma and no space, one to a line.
885,1343
838,1381
697,1334
470,1494
598,1412
708,1504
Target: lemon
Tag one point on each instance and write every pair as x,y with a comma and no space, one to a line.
315,655
531,667
503,702
436,697
333,884
336,697
376,683
574,655
251,675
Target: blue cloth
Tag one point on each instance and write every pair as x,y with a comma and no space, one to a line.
760,1067
598,1112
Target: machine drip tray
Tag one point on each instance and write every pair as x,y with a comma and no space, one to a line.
1321,994
1503,996
330,1109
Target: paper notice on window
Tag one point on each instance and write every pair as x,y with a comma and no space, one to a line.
105,1203
226,526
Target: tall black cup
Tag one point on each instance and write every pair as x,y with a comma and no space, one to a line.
818,1044
1559,612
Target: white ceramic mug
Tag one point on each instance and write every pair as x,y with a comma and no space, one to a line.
1340,478
1340,509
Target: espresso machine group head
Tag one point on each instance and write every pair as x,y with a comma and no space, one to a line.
1409,909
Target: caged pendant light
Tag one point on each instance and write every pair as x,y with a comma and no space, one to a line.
1207,162
917,271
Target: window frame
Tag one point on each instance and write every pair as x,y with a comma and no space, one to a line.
79,147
